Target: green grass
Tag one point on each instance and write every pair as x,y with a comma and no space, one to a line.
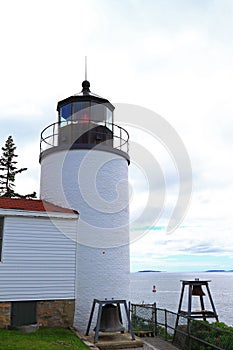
43,339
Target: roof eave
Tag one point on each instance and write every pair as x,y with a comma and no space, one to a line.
36,213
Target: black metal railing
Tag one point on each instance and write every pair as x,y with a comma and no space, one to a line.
143,319
185,332
76,132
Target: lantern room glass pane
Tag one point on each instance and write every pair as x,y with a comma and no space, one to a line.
109,116
78,106
66,112
98,112
81,111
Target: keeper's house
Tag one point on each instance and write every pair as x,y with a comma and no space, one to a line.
37,263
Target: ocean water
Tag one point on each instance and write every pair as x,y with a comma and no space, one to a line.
168,288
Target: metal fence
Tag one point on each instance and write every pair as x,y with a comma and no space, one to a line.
143,319
184,332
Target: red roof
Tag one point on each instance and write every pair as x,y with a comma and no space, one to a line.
32,205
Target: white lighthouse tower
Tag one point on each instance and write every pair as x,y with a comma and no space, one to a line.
84,166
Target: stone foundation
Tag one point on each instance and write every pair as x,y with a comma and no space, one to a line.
5,315
55,313
50,313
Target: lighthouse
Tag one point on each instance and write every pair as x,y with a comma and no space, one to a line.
84,166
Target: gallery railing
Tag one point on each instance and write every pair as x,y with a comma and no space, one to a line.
78,133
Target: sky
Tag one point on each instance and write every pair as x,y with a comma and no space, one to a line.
172,57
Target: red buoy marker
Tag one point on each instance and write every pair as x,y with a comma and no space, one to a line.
154,289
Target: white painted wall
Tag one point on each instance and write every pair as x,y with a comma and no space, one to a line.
101,273
95,183
38,259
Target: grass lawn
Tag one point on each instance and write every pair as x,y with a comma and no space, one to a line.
43,339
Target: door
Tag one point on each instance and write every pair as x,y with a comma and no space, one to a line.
23,313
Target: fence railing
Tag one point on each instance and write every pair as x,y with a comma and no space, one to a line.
184,332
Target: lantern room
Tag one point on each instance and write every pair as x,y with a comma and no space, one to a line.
85,107
85,120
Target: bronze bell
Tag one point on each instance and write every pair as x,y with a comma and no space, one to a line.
197,290
110,320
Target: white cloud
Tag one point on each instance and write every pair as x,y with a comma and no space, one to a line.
174,57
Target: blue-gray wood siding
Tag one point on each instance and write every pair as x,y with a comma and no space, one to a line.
38,259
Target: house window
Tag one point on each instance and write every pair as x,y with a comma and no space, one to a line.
1,235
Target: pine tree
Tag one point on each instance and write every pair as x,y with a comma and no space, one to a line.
8,171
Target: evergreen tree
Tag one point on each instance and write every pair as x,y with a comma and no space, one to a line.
8,171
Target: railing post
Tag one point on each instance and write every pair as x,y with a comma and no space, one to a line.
113,136
120,139
130,316
154,319
165,316
188,334
53,133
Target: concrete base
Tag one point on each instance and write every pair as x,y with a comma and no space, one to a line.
30,328
109,341
115,341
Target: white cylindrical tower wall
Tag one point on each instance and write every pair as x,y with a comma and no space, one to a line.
95,183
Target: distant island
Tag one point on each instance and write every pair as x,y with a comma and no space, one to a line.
146,271
219,271
149,271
